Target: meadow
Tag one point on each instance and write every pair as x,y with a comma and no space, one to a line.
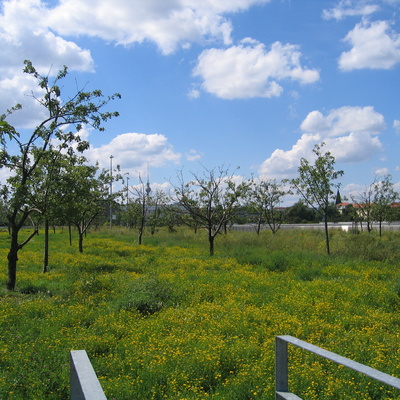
166,321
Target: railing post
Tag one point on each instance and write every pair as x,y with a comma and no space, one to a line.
281,366
84,384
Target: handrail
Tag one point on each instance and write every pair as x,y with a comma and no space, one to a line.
282,374
84,384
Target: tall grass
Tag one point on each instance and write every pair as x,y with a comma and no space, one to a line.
166,321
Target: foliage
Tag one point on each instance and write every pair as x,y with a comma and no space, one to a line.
384,197
264,198
163,321
315,183
23,156
299,213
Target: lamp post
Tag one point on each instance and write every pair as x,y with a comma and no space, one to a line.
111,182
127,188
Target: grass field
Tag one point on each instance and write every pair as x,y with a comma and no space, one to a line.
166,321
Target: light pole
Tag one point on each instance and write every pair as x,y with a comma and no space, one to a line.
111,182
127,188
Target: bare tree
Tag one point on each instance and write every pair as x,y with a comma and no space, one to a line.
264,198
210,199
141,197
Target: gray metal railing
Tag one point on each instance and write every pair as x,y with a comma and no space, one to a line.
84,384
282,372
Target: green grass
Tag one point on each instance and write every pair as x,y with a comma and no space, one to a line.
166,321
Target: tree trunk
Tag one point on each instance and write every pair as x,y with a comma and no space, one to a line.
70,234
141,229
13,259
80,238
328,251
46,246
140,236
211,238
258,228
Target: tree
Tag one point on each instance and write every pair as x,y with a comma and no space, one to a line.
157,207
45,180
362,206
315,183
210,199
141,194
82,195
264,197
384,196
84,108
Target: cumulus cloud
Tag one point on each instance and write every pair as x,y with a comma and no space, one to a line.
24,34
251,70
350,134
135,152
374,45
343,120
283,164
36,30
168,23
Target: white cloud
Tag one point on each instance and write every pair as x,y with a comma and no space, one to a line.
347,8
374,45
350,134
250,70
381,172
24,34
135,152
283,164
32,29
168,23
193,155
355,147
343,120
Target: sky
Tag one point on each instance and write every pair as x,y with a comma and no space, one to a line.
248,84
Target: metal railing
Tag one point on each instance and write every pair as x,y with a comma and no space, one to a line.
84,384
282,372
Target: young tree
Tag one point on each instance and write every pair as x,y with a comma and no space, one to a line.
264,197
43,191
210,199
383,198
362,206
82,195
141,195
157,206
84,108
315,183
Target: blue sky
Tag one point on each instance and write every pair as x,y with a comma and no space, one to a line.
248,83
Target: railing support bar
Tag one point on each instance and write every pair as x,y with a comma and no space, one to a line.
84,384
281,366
